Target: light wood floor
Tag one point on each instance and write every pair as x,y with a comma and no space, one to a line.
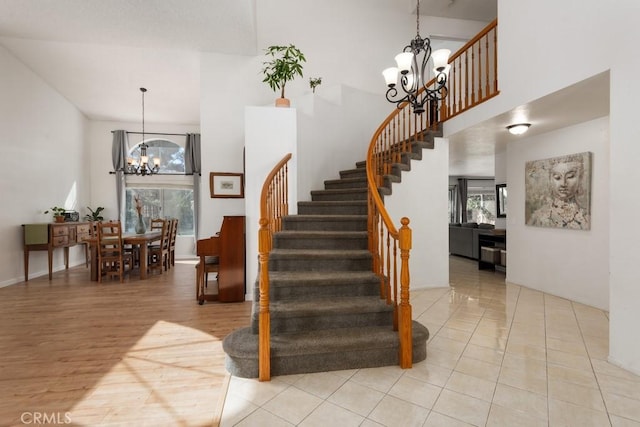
134,353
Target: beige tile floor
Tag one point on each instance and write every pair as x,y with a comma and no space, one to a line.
498,355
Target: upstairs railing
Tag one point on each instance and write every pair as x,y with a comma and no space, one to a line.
274,204
473,76
472,80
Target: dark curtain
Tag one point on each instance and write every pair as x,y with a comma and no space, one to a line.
119,149
193,166
462,199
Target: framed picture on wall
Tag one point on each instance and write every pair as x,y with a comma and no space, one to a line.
558,192
226,185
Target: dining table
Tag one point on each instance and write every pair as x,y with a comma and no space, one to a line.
141,241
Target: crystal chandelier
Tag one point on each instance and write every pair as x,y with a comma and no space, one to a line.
413,72
142,167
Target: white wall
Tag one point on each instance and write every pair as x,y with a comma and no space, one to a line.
563,47
534,63
571,264
623,32
45,164
270,135
422,196
335,128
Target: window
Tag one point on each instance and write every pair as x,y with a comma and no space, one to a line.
481,203
166,195
453,203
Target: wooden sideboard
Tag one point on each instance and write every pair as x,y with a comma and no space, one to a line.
50,236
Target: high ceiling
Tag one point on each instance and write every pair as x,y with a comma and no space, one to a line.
125,44
98,53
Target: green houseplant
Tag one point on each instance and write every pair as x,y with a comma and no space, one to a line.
313,82
94,215
285,64
58,213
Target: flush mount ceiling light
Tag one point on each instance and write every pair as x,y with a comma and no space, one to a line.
519,128
413,73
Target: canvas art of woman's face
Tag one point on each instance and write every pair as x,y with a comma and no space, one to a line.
565,179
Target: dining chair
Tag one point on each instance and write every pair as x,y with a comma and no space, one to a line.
172,242
159,252
112,258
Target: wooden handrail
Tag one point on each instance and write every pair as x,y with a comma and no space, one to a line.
274,204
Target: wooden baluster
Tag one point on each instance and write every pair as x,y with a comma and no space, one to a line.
405,326
466,79
286,191
388,271
383,291
395,284
264,317
473,75
480,80
488,68
459,85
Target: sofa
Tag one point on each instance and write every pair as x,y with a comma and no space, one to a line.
463,238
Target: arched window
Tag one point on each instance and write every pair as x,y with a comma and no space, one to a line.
168,194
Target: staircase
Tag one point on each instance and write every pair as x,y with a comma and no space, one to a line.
326,310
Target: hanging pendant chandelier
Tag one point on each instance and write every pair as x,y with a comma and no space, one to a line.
143,166
408,81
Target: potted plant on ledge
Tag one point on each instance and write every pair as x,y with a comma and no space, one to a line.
58,213
94,215
284,66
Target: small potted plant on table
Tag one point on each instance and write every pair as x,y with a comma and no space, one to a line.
58,213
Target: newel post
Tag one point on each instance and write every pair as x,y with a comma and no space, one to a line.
264,319
405,321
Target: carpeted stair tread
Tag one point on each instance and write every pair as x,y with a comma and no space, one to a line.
303,218
319,278
319,253
324,223
333,203
243,343
329,306
346,183
315,234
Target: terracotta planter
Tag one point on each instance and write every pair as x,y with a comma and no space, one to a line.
58,218
283,102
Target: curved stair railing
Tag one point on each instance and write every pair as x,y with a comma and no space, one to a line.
393,140
274,204
472,80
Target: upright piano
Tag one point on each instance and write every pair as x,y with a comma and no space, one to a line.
227,249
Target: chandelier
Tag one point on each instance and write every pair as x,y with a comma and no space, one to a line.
412,67
142,167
